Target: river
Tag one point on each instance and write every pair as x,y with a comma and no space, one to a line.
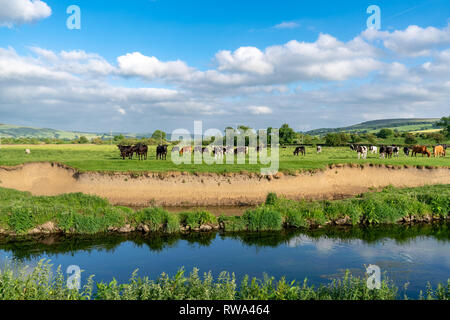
414,254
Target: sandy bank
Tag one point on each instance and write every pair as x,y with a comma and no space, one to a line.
178,189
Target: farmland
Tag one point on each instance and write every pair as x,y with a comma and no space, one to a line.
106,158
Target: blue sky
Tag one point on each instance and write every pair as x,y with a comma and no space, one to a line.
139,65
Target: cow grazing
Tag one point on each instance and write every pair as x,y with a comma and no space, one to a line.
239,150
161,152
406,151
362,152
218,152
126,151
373,149
184,150
299,150
420,149
396,151
228,150
383,152
27,151
198,149
439,151
388,151
319,149
175,149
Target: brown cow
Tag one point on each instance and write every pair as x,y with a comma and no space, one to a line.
439,151
187,149
420,149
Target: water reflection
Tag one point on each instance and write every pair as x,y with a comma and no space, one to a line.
414,254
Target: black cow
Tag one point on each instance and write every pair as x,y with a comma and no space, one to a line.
299,150
406,150
161,152
126,151
389,151
141,151
238,150
386,152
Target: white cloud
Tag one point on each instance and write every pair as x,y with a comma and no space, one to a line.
259,110
413,41
287,25
136,64
22,11
244,59
315,83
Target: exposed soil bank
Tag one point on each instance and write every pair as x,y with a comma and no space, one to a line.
210,189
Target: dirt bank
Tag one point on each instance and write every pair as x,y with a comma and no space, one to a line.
178,189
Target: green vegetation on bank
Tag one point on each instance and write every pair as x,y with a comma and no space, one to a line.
22,213
40,283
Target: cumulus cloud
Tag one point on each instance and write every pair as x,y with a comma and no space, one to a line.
326,59
413,41
314,83
136,64
22,11
244,59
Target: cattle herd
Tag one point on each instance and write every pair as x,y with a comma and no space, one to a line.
394,151
141,151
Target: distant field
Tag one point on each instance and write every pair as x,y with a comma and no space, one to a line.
402,125
106,158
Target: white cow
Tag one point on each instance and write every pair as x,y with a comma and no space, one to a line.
27,151
374,149
218,152
319,149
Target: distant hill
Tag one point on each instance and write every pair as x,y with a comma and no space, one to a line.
374,126
11,131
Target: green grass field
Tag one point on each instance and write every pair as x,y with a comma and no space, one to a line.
107,158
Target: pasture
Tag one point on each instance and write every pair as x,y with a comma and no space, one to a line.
106,158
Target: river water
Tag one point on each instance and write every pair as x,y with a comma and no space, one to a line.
414,254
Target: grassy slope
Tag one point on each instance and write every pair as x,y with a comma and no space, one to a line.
82,214
12,131
106,158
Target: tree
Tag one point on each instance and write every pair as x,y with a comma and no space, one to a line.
371,138
336,139
159,135
287,135
119,137
83,140
436,136
410,138
445,124
385,133
355,138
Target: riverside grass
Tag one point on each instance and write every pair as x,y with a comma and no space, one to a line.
21,213
41,283
106,158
